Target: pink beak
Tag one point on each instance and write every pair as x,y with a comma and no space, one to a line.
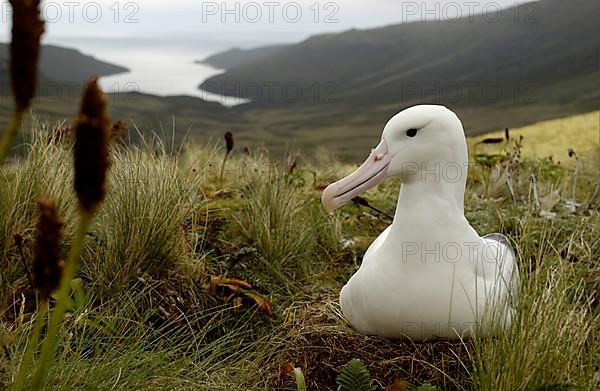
370,173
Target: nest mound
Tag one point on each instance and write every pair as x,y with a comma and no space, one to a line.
320,342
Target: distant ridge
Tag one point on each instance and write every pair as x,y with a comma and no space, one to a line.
61,65
549,56
236,57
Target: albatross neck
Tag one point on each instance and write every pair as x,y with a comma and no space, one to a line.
432,192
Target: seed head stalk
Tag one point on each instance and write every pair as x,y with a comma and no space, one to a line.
92,132
228,149
27,30
46,277
10,133
50,345
31,347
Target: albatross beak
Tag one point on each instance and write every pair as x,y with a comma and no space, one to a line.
370,173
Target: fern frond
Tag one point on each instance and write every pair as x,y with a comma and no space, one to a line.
354,377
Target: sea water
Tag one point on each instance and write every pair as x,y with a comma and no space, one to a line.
163,66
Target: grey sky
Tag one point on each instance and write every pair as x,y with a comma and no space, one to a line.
274,20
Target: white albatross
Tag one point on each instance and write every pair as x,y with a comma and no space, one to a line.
429,274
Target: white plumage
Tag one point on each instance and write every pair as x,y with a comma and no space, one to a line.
429,274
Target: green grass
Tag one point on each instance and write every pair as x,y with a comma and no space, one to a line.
143,315
133,235
555,336
46,172
553,138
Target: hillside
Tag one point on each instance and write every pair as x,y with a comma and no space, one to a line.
174,118
236,57
63,65
374,66
504,73
554,138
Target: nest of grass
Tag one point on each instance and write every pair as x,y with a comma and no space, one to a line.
320,342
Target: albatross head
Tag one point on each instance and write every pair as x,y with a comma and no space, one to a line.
415,143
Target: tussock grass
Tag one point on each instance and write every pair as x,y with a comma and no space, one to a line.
46,171
292,235
273,218
141,229
328,230
555,334
123,345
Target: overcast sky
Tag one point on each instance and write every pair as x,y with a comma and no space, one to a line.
278,20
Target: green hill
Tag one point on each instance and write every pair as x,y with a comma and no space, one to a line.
63,65
236,57
494,74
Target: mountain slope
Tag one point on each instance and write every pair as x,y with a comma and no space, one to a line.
236,57
547,56
63,65
548,138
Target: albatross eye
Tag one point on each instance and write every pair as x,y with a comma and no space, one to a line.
411,132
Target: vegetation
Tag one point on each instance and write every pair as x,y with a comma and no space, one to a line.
553,139
188,281
179,269
354,376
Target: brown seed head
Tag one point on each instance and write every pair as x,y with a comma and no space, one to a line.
492,140
229,141
293,167
47,266
119,132
92,133
27,29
